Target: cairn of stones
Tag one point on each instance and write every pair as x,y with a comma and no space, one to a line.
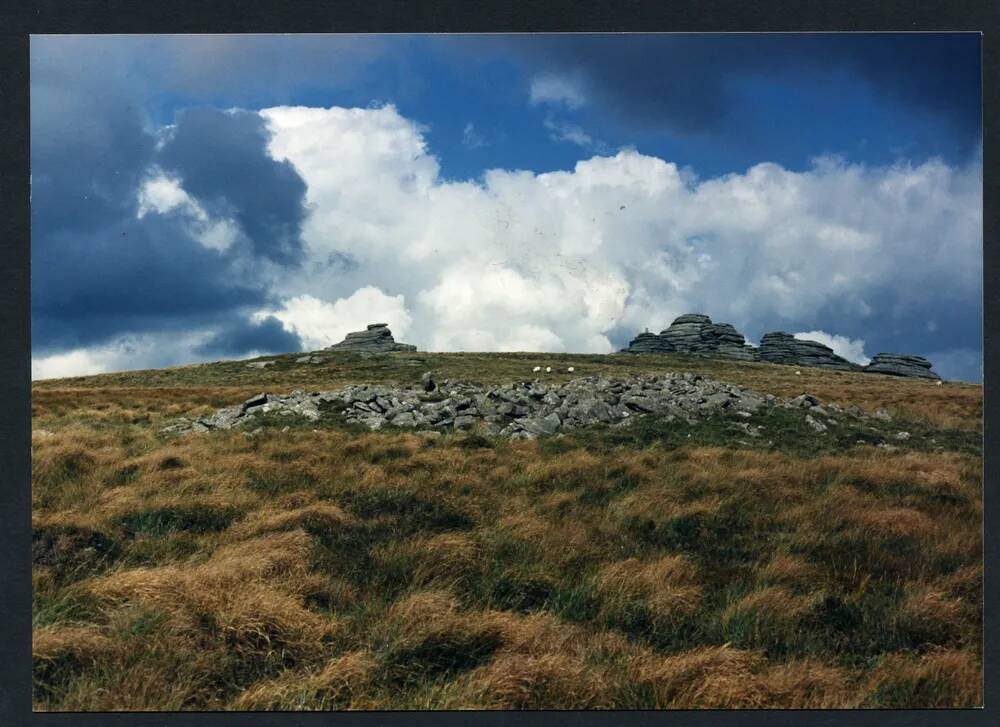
377,338
529,409
695,333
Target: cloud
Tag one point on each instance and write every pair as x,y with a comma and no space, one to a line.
959,364
220,158
128,352
348,221
247,338
852,350
694,88
471,139
550,88
565,131
579,260
320,323
137,227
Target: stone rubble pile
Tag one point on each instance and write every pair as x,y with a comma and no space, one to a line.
522,410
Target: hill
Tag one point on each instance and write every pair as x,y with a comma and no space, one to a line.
317,565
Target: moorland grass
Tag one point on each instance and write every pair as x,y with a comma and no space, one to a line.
654,566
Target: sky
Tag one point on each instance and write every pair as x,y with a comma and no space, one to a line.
200,198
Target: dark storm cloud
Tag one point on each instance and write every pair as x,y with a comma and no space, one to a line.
222,161
89,147
243,337
132,275
685,81
99,271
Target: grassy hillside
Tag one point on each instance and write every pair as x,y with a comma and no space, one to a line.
652,566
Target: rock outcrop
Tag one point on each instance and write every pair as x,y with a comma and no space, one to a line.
695,333
899,364
647,342
376,339
784,348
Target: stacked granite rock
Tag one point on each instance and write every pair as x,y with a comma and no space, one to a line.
685,333
647,342
377,338
695,333
784,348
899,364
729,342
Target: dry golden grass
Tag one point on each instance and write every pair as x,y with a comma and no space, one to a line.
667,586
332,570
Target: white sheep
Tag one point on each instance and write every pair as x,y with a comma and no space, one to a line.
798,373
548,369
570,369
536,369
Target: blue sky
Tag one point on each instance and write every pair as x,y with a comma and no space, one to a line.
205,197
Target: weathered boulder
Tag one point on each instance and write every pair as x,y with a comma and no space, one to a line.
784,348
685,333
377,338
647,342
898,364
695,333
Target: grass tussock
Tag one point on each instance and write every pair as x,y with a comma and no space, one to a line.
323,568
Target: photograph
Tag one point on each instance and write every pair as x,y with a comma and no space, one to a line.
506,371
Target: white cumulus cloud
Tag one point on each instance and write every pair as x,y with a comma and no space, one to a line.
552,88
582,259
320,323
851,349
570,260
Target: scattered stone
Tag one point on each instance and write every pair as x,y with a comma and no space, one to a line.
902,436
882,415
570,370
427,381
524,409
377,338
815,424
805,401
259,364
898,364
